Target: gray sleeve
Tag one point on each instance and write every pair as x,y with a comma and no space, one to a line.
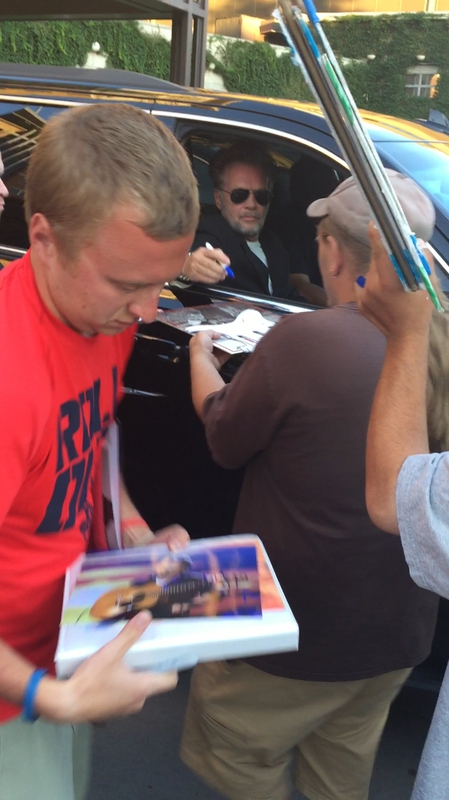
422,501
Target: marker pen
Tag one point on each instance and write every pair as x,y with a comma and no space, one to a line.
226,268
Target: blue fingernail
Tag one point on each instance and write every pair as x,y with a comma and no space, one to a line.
229,272
360,281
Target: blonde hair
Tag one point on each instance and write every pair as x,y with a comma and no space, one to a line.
92,158
438,366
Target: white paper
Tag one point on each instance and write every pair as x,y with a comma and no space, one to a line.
111,483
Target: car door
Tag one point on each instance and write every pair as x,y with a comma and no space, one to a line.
166,454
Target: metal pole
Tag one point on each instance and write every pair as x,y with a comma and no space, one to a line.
181,48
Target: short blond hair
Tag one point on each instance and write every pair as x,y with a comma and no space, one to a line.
92,158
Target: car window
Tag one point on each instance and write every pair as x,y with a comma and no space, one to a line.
303,177
20,127
300,178
427,164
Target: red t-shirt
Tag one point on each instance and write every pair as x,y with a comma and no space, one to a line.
58,394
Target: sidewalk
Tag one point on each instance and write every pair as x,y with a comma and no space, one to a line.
138,758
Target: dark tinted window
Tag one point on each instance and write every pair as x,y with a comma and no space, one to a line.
19,130
427,164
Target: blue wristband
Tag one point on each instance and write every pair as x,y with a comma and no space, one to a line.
28,713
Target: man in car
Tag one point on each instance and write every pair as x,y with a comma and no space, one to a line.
406,486
111,205
296,414
233,247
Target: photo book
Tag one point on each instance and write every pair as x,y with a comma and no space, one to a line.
216,599
241,325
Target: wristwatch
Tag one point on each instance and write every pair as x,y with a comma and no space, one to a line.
181,276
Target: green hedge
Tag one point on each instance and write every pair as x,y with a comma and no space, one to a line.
377,85
396,40
254,68
68,43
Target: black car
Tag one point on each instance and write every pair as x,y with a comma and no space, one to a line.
170,453
168,470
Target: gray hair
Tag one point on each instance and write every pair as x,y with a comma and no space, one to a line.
243,152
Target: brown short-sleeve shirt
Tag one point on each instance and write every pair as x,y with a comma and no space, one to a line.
296,414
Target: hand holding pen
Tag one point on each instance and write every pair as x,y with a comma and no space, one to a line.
225,266
207,265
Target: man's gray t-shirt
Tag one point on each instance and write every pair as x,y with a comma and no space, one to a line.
258,251
422,498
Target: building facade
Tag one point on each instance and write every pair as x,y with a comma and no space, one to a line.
230,17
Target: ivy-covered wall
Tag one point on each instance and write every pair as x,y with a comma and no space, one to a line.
377,85
68,43
255,68
395,40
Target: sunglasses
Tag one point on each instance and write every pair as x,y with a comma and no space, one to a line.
261,196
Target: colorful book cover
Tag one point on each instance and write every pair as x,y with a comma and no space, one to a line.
218,598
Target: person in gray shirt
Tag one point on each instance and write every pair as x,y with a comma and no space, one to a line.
406,485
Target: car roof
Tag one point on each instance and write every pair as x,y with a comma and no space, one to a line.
76,76
146,88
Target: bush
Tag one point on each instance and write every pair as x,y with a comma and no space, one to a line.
68,43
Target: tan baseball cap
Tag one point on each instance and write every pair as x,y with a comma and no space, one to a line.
349,209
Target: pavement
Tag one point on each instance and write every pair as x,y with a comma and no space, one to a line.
137,758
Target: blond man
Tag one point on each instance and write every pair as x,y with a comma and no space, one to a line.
111,205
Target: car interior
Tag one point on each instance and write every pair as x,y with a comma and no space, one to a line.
301,177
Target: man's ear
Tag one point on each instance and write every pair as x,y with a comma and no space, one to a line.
41,235
335,256
217,198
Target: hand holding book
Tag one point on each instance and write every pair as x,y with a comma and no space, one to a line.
103,686
217,598
136,533
204,344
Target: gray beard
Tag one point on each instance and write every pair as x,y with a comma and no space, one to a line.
254,231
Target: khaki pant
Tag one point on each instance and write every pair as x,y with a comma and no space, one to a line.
246,729
43,760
